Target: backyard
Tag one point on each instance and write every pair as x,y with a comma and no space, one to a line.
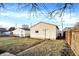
15,45
30,46
47,48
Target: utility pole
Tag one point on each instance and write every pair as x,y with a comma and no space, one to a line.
62,25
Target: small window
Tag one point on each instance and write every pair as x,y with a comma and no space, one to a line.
36,31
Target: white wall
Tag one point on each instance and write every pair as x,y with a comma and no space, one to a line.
50,31
21,33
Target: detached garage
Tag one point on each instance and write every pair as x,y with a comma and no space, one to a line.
44,31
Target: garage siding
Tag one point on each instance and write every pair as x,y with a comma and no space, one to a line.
43,31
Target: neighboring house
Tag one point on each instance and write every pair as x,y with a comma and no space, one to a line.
44,31
21,32
2,31
11,29
25,26
66,28
8,33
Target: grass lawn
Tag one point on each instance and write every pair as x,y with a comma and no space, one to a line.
48,47
16,45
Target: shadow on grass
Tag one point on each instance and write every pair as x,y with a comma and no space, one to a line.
66,50
2,51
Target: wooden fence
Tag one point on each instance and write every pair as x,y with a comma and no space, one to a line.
72,38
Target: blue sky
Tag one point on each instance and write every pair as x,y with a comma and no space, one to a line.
12,16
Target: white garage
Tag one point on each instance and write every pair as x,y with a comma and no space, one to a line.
43,30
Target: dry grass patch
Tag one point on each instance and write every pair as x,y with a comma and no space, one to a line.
48,47
16,45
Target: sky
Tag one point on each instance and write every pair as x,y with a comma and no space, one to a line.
13,15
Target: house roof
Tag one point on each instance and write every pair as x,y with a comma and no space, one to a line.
3,30
23,29
11,29
45,23
67,28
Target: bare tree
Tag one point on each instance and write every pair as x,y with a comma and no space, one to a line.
2,7
35,7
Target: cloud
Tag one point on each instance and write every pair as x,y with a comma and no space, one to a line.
67,19
70,19
6,24
18,15
22,14
12,14
4,14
